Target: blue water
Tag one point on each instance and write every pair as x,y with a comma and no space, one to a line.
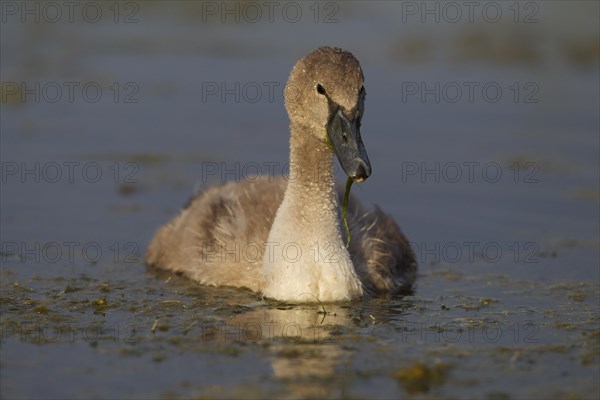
436,158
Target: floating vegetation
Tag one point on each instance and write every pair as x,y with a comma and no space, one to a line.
583,53
42,309
578,295
158,320
420,377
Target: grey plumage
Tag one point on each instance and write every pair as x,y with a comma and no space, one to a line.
221,237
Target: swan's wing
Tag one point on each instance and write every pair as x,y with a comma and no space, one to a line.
379,250
218,239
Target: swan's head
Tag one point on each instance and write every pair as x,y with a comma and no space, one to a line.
325,93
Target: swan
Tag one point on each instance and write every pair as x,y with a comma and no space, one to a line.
282,237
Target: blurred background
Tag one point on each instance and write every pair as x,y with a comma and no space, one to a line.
481,123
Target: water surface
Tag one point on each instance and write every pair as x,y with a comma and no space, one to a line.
498,195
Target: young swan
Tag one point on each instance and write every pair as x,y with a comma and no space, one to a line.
283,237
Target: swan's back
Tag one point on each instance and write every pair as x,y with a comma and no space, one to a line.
219,239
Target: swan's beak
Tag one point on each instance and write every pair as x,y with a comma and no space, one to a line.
344,135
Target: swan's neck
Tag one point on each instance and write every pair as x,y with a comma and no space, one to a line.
311,185
305,257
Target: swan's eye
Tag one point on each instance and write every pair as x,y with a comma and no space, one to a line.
320,89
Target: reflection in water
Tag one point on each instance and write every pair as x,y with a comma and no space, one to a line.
302,344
